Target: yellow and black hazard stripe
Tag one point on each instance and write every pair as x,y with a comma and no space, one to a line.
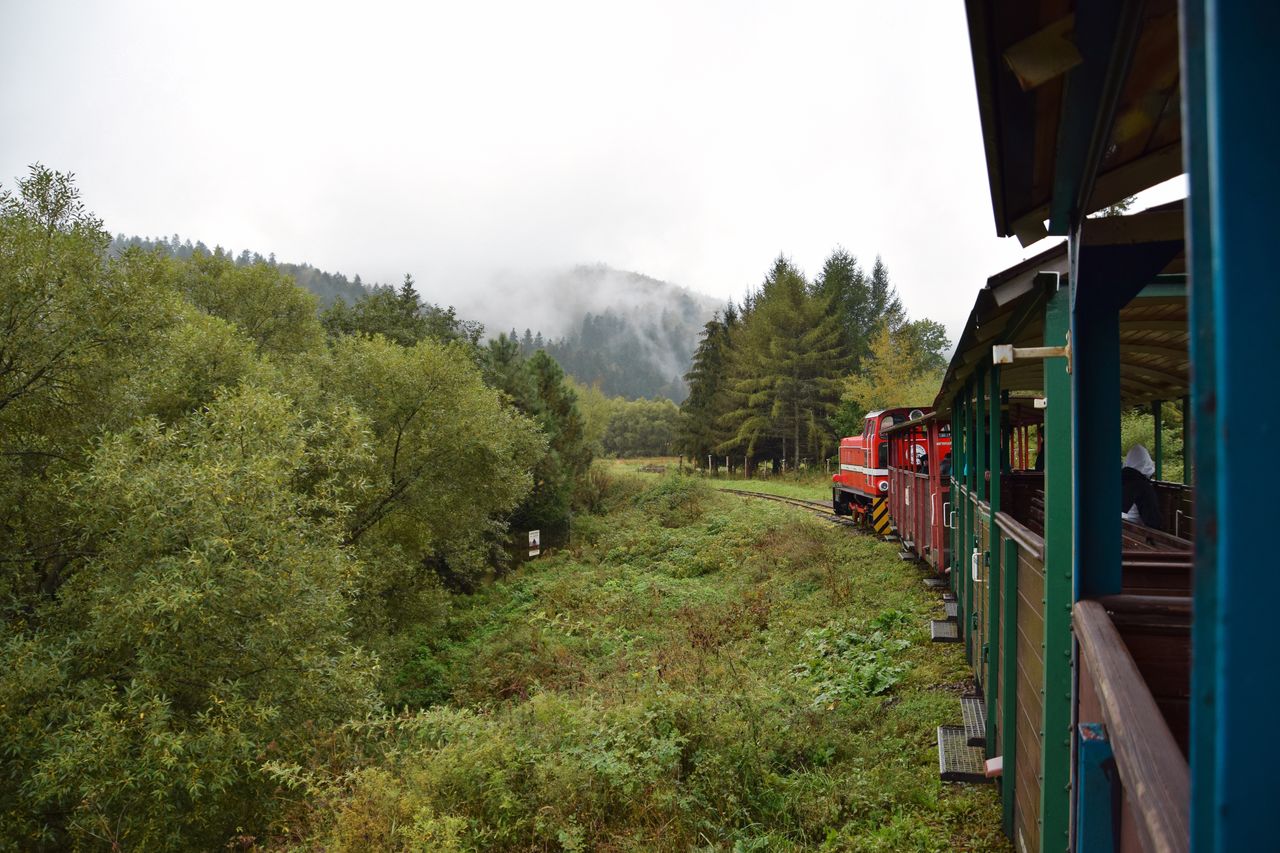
880,516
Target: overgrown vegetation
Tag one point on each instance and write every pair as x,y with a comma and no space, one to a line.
248,595
739,677
223,530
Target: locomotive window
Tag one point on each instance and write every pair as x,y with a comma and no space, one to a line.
884,454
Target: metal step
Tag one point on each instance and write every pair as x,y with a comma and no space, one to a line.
935,583
957,761
952,608
944,631
973,708
907,556
948,596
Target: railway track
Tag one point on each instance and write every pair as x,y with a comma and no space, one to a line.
820,508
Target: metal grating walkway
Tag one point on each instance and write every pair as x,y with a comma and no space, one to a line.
973,709
957,761
944,631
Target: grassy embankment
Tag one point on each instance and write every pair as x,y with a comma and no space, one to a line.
814,485
701,672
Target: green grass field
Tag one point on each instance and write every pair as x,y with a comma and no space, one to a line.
811,486
700,672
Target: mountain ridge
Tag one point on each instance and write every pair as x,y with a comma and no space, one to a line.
628,333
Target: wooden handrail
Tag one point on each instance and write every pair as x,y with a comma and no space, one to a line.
1018,532
1157,605
1156,777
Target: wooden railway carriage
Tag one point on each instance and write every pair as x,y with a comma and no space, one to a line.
919,462
1080,628
1013,537
861,486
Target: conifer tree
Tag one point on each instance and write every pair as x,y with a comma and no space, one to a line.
787,366
701,431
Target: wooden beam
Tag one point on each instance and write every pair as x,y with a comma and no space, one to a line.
1152,349
1126,180
1044,55
1106,32
1142,370
1157,780
1152,226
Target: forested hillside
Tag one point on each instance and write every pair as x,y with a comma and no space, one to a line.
326,286
781,376
629,334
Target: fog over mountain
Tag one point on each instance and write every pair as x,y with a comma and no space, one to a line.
629,333
632,334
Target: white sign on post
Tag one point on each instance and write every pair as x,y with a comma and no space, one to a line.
535,543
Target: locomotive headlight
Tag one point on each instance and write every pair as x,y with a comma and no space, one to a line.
884,485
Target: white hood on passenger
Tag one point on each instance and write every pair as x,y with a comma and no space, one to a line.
1140,460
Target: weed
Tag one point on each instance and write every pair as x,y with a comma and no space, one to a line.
707,674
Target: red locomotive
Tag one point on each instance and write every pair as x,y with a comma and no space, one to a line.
862,483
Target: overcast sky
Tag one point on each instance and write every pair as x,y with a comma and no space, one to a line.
691,141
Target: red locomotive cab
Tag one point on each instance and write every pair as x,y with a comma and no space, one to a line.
864,462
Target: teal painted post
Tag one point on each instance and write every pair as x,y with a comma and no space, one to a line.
1229,146
1055,758
1186,440
961,556
971,528
1097,819
980,469
1095,388
1009,702
1157,413
980,418
993,558
957,472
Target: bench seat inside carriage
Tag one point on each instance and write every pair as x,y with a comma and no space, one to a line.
1153,614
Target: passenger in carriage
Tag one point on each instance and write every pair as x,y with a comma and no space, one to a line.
944,467
1137,494
1040,449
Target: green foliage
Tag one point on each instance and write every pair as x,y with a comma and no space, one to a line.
400,316
897,372
218,532
538,387
862,303
675,500
843,663
766,381
639,696
641,428
449,459
1137,426
704,423
205,623
786,368
277,315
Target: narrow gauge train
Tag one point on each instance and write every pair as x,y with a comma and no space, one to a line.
861,486
1124,691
